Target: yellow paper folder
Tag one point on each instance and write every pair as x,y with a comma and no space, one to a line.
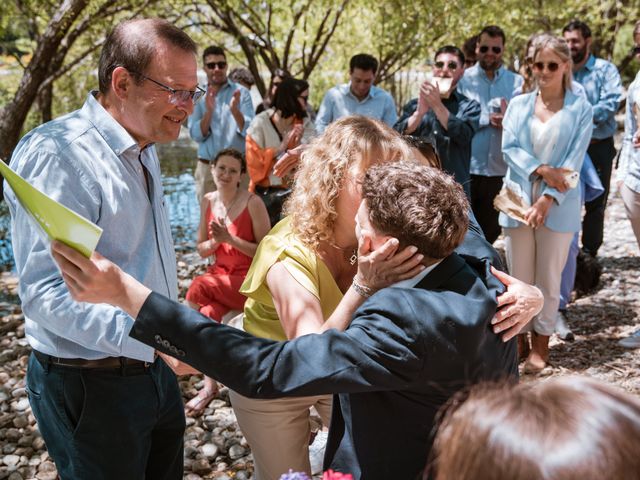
55,220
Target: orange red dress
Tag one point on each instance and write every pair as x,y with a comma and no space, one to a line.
217,290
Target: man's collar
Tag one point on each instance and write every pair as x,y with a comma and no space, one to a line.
116,136
413,281
442,272
591,62
371,93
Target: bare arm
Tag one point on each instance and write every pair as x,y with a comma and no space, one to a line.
299,310
205,246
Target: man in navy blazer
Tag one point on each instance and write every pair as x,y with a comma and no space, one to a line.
408,349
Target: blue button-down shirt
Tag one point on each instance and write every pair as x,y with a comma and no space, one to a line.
486,147
603,86
223,130
90,163
629,166
339,102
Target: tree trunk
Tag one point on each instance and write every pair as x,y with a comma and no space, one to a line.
45,101
14,113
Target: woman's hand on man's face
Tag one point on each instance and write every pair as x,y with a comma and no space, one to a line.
385,265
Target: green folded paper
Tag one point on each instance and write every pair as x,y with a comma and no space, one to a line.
52,218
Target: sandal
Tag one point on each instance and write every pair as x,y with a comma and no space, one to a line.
195,407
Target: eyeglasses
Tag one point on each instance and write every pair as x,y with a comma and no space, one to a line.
450,65
177,97
219,65
551,66
485,49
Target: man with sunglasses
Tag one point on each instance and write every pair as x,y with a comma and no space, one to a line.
220,120
106,406
358,97
490,84
447,119
603,88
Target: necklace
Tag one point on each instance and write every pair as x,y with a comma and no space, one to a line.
227,220
350,253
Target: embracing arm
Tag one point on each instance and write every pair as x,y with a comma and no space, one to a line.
300,311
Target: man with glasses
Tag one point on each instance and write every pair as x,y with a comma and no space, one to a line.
358,97
106,406
603,88
490,84
220,120
444,116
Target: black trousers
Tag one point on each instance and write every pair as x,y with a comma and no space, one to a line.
602,154
109,424
483,191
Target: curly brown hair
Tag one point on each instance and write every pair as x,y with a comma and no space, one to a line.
418,205
348,145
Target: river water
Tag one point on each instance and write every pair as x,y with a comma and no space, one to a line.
177,161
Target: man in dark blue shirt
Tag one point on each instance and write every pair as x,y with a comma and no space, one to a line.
444,116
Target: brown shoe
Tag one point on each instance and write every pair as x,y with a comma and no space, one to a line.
539,355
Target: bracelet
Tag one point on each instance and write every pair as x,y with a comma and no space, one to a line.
362,290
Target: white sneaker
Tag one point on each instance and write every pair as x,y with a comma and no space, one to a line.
316,452
562,328
632,341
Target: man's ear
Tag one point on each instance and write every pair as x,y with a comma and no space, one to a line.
588,43
121,82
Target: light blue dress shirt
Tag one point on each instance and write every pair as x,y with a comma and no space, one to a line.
486,146
223,131
572,140
629,165
339,102
89,162
603,86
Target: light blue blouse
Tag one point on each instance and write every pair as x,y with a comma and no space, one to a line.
629,167
571,143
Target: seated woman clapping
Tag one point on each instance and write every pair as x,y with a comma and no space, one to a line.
232,223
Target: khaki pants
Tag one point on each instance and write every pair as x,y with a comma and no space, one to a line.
203,179
278,431
538,257
631,201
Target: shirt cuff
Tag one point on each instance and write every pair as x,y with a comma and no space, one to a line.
132,348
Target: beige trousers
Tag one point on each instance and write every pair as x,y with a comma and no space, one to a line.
631,201
278,431
538,257
203,179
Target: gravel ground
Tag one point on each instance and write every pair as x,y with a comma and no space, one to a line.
214,447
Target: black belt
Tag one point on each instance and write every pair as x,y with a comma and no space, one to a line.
101,363
600,140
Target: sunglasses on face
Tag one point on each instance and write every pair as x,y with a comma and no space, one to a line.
485,49
450,65
219,65
178,97
539,66
636,50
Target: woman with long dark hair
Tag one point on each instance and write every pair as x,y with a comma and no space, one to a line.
282,127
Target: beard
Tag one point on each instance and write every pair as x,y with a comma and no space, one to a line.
490,65
578,55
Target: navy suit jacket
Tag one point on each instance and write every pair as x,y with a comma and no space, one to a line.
405,353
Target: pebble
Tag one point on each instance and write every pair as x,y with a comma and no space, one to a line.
10,460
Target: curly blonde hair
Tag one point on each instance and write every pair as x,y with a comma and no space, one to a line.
350,144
